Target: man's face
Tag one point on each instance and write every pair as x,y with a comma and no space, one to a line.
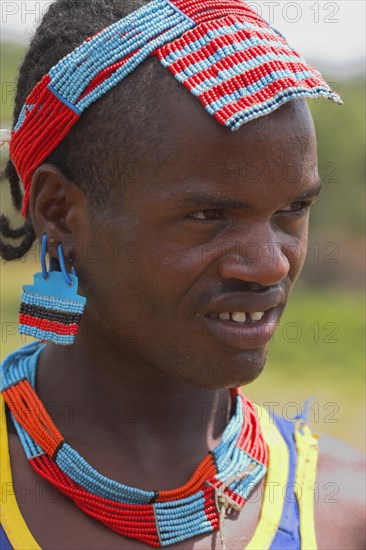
212,231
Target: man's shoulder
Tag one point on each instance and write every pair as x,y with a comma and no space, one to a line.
345,463
339,494
338,453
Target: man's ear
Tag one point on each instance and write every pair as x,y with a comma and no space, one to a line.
58,208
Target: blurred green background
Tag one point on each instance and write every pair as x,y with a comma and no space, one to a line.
319,348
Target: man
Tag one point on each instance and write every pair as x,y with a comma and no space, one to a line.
177,310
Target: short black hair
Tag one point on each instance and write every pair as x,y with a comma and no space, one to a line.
65,25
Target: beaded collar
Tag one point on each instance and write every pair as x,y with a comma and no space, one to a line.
222,481
222,51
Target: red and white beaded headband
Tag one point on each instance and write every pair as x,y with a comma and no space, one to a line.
229,57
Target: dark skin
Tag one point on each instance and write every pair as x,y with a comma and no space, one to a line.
146,344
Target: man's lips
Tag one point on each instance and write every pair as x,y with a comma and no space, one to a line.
248,334
247,302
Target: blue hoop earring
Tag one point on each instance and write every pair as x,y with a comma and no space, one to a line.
51,309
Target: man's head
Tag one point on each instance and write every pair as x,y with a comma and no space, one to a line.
171,220
210,223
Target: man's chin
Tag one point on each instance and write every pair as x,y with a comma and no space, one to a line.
239,369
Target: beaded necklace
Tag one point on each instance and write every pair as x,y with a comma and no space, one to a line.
222,481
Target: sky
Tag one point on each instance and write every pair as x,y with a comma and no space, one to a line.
333,32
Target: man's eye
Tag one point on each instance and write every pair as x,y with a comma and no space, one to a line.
297,207
208,215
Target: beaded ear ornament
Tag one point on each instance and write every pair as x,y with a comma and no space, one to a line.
223,52
51,308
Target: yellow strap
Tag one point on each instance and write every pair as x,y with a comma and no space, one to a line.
11,518
307,457
275,484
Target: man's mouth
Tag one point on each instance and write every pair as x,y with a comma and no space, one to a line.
239,316
241,330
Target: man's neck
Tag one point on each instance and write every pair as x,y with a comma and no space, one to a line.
93,392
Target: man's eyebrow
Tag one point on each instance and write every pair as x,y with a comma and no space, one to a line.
205,198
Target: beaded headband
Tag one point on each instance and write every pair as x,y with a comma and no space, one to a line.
229,57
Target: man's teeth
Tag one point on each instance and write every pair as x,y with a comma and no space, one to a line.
256,315
241,317
225,316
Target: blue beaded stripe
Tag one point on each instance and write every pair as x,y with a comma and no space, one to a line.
185,16
220,53
25,109
80,471
226,74
250,89
49,335
87,55
171,518
238,461
31,448
231,459
266,107
49,302
179,509
118,48
211,34
139,30
63,100
132,63
187,534
246,486
232,430
20,364
174,529
170,505
223,456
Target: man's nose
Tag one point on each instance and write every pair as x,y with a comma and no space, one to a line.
258,261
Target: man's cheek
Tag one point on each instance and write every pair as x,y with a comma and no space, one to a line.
296,253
